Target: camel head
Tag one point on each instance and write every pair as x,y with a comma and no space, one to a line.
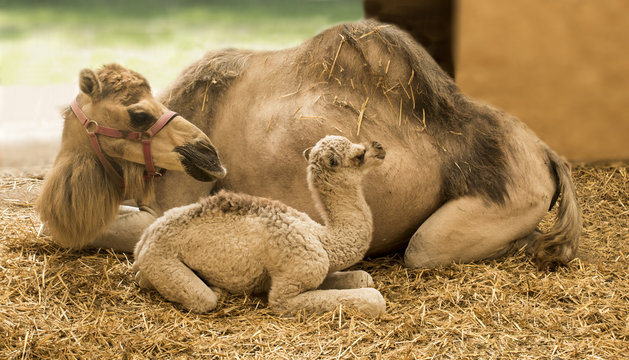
337,155
118,98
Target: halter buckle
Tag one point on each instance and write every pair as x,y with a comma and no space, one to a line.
93,124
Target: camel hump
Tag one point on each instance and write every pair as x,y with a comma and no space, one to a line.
559,245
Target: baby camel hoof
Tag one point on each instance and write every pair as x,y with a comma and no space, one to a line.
373,303
220,293
200,300
142,281
360,279
366,280
202,306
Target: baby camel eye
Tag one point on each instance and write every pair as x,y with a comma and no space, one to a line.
333,161
140,118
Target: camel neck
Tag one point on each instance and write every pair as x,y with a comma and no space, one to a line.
348,223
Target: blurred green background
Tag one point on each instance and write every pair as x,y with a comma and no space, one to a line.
44,42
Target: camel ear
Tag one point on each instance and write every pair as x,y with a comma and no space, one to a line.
307,153
89,83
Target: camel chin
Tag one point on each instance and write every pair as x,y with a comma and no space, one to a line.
200,161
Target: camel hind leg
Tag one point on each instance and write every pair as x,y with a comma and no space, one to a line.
354,279
175,281
471,228
286,296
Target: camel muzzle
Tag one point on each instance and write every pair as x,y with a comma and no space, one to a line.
200,160
379,151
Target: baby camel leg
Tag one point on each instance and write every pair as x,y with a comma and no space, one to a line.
470,228
285,296
176,282
347,280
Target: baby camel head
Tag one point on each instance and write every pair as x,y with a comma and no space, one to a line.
336,156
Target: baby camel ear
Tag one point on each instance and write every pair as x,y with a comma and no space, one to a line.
307,153
89,84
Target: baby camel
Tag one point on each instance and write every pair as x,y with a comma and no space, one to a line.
241,243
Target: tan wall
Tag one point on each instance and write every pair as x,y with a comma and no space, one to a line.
561,66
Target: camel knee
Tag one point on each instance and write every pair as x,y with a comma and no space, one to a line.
174,281
191,293
419,256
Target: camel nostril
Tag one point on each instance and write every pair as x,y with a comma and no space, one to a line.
380,153
200,160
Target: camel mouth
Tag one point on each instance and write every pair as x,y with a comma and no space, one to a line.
200,160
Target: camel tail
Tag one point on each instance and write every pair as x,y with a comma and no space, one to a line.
559,245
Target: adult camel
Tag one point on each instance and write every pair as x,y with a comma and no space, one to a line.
465,182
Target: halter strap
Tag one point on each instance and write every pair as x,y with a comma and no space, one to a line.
93,129
146,144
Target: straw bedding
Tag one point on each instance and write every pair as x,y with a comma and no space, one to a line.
62,304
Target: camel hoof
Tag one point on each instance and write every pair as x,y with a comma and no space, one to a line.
362,279
142,281
374,304
368,280
203,305
220,293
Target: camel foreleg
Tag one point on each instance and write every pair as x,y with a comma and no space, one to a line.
175,281
126,230
470,229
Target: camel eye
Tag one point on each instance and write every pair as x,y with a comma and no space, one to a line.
333,161
361,158
140,119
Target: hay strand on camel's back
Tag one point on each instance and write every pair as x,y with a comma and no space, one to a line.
361,114
207,85
336,56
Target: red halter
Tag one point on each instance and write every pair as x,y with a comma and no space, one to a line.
93,129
